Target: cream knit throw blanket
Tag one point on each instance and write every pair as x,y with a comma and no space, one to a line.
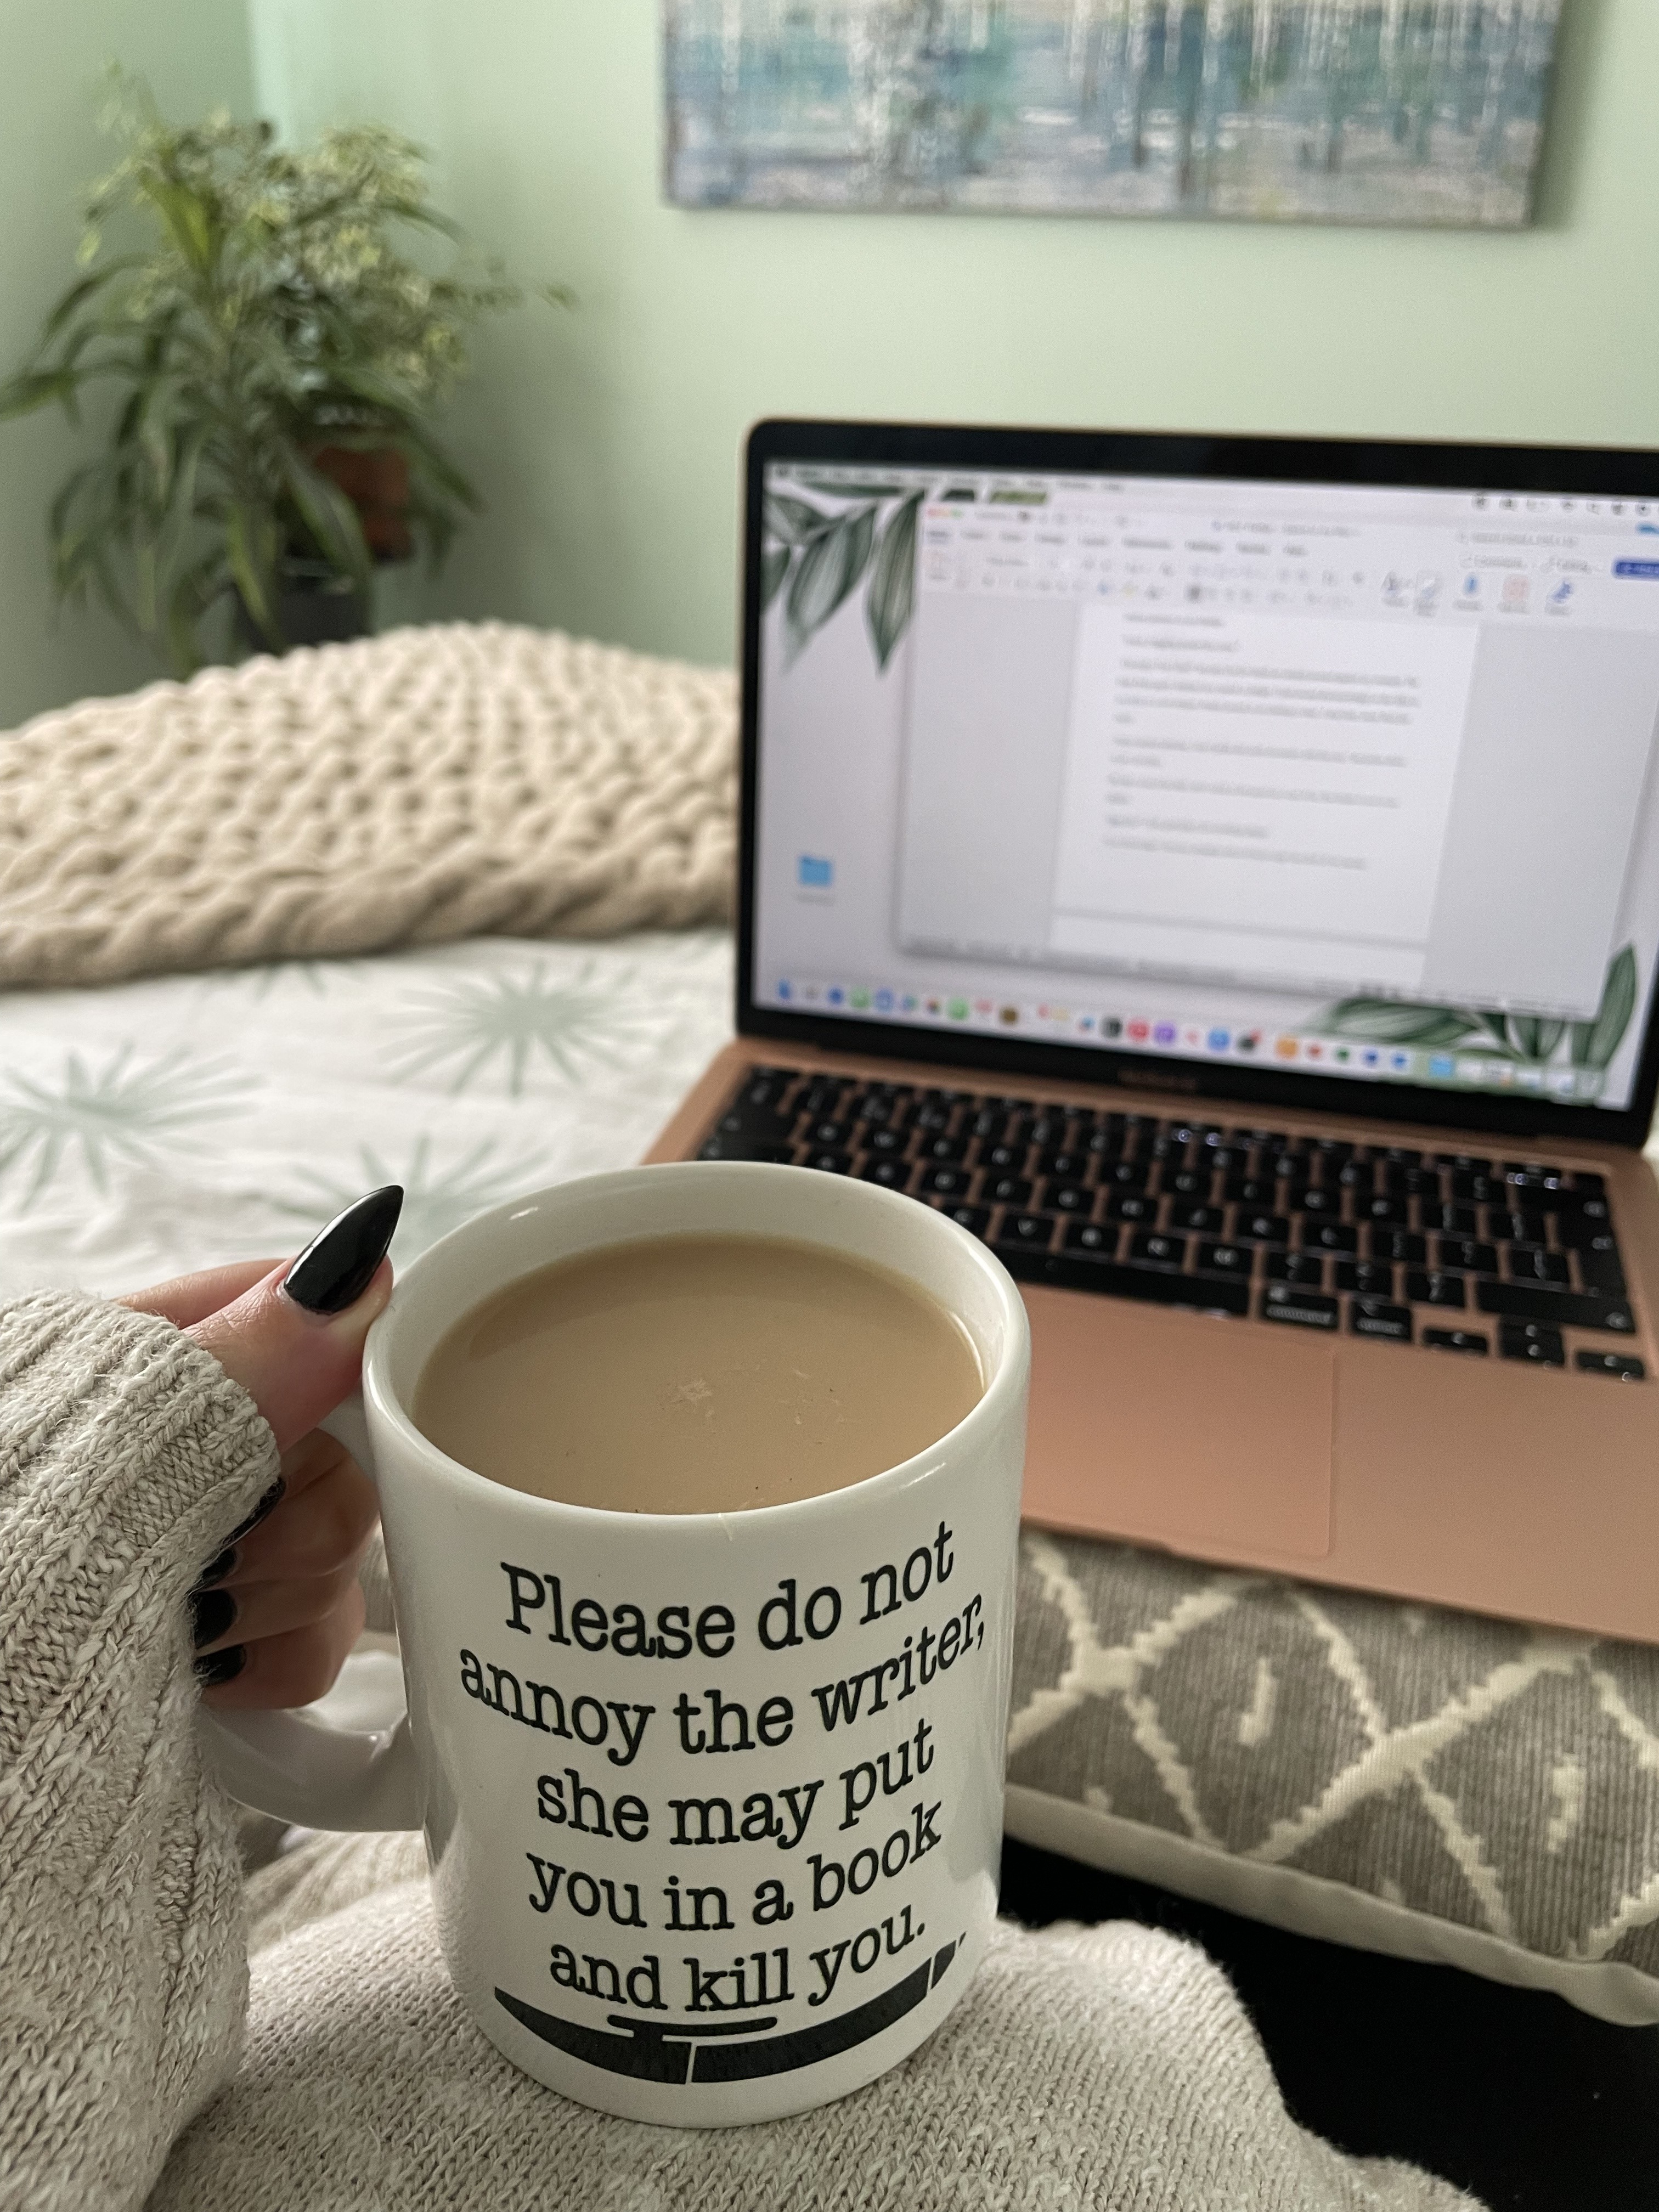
428,785
1103,2068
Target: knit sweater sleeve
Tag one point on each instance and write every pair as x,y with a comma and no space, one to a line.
126,1457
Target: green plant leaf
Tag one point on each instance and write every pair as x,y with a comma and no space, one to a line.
891,596
33,388
774,567
1396,1021
830,568
88,287
251,550
330,517
794,520
1536,1039
186,219
1594,1044
194,593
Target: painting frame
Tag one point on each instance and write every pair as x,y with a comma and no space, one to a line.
1428,114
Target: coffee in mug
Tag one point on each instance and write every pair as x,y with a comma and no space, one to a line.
712,1799
697,1375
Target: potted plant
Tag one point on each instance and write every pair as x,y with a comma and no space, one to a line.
273,359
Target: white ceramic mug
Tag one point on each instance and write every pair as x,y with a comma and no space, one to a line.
713,1801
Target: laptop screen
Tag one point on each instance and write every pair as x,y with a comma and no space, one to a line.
1351,781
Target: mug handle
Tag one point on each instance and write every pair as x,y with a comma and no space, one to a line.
300,1768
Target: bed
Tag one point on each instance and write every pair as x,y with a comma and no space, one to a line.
153,1125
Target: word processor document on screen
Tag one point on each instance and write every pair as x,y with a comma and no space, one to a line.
1246,756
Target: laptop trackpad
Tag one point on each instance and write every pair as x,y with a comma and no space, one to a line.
1178,1429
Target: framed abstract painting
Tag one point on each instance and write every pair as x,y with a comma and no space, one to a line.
1416,112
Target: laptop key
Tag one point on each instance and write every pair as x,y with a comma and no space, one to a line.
1132,1205
1151,1249
1262,1228
1377,1317
1543,1303
1531,1341
1258,1192
890,1174
943,1148
743,1148
1069,1198
829,1162
1078,1271
1064,1167
1529,1263
1515,1228
1464,1254
1425,1289
1371,1279
1009,1190
1029,1232
1188,1183
1323,1204
945,1181
1225,1259
1392,1212
1625,1365
1455,1340
1089,1237
1206,1220
1329,1236
1305,1269
1476,1189
759,1123
1453,1220
1124,1174
976,1219
1599,1268
1282,1302
887,1143
1403,1245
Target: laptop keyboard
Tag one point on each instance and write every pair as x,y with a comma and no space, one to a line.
1449,1250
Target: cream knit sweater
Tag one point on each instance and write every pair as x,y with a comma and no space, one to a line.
1107,2067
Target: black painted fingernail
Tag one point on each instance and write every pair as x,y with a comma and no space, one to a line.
211,1613
338,1264
221,1667
216,1570
268,1503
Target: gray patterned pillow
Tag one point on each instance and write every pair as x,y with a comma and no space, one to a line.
1430,1784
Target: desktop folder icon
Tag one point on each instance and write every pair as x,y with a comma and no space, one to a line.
814,874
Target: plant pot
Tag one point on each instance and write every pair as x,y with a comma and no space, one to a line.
376,482
315,606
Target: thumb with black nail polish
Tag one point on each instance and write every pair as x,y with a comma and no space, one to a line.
295,1341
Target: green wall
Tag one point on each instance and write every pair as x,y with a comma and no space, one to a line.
195,54
606,440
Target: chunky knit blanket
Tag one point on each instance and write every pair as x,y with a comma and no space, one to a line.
141,2064
432,784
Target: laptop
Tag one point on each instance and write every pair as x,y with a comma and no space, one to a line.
1223,875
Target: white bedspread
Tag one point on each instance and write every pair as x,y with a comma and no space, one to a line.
149,1127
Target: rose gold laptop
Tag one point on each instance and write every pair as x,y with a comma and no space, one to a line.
1224,875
